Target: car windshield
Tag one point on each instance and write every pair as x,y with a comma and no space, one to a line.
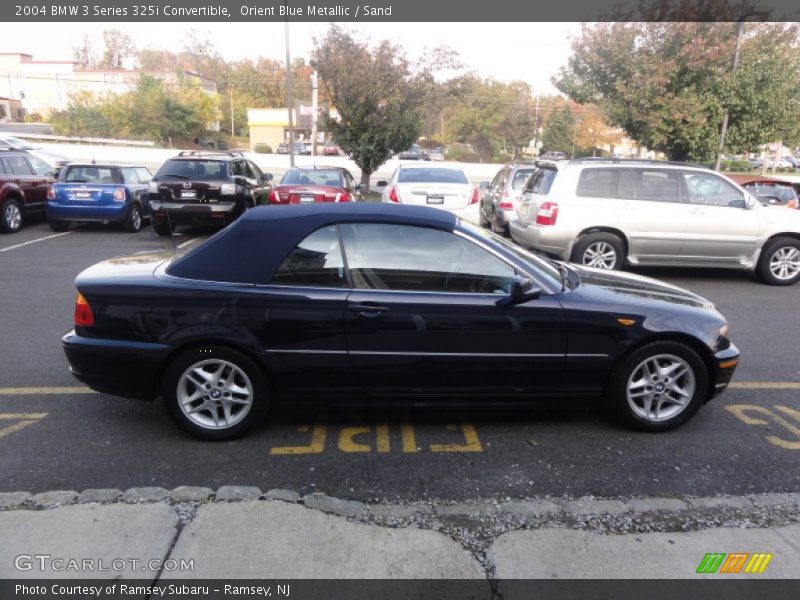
88,174
520,177
312,177
543,266
430,175
203,170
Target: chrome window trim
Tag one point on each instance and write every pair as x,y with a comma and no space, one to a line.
435,354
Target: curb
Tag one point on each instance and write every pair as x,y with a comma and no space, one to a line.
530,507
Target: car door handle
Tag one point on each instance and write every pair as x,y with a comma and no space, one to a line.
368,310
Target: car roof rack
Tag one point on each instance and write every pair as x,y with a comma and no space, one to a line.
646,161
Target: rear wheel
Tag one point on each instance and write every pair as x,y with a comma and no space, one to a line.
780,262
600,250
163,227
658,387
11,216
497,227
133,221
215,393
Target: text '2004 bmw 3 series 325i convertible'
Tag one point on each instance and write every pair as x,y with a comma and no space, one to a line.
379,303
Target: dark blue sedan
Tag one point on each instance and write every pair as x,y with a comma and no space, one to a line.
100,193
372,303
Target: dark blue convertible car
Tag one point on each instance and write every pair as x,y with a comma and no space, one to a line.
376,303
101,193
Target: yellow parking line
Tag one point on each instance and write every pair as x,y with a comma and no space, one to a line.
765,385
44,391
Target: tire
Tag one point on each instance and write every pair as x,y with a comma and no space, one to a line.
163,227
600,250
56,225
780,262
642,379
11,216
482,218
499,230
133,220
178,387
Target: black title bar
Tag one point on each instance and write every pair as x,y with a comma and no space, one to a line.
355,11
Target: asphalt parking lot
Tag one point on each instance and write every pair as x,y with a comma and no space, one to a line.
54,434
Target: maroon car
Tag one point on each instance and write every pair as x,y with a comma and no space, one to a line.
769,190
24,183
305,185
330,149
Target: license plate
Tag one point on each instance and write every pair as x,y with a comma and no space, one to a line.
306,199
188,193
435,199
83,194
523,210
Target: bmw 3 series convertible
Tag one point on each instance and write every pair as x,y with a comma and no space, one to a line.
377,303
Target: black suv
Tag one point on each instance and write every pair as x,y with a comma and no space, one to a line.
205,188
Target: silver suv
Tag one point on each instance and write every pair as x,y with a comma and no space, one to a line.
501,197
608,212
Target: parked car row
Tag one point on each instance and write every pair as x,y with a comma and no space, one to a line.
329,148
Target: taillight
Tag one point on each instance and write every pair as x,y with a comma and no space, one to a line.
506,205
119,194
83,312
51,193
474,199
274,197
393,194
343,197
547,213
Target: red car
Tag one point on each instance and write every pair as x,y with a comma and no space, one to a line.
769,190
305,185
331,149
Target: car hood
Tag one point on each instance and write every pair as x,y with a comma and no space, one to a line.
627,288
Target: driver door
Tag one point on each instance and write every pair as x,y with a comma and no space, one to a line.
422,317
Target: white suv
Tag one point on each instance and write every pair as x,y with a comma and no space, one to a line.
606,212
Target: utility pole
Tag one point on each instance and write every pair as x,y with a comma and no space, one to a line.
314,116
233,131
289,99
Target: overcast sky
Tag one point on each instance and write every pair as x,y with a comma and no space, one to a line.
531,52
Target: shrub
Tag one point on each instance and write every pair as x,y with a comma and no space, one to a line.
262,149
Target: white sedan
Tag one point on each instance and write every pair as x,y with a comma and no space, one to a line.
444,187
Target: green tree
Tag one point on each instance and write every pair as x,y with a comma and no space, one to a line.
668,84
559,130
378,97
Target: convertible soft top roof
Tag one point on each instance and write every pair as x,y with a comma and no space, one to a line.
249,250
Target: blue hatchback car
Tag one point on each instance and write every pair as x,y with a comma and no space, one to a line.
100,193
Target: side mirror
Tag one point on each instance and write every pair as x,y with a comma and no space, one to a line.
749,202
267,177
522,290
383,183
484,185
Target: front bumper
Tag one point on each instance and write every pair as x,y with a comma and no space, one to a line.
118,367
725,363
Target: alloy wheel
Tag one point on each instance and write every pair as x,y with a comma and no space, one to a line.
600,255
660,387
785,263
215,394
13,216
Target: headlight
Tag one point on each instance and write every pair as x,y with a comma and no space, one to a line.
228,189
723,331
154,187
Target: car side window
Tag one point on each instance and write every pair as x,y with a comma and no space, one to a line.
541,181
349,181
315,262
710,190
40,167
247,170
409,258
129,175
236,168
144,175
18,165
256,173
650,185
598,183
498,179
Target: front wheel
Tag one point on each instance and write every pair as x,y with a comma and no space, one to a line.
215,393
780,262
658,387
600,250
